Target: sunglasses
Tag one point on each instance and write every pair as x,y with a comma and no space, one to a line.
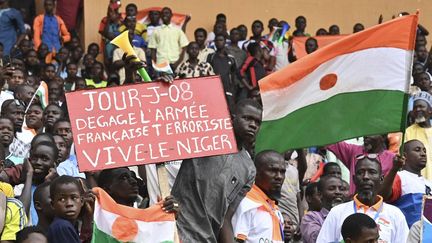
369,156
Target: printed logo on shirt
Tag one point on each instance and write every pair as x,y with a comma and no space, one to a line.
385,230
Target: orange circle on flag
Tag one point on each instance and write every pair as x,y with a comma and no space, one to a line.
124,229
328,81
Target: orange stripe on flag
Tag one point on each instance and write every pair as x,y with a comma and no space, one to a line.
151,214
45,87
397,33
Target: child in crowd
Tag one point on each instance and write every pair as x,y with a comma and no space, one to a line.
66,201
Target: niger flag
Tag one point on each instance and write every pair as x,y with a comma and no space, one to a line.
117,223
355,86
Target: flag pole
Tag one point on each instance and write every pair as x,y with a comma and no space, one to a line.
31,101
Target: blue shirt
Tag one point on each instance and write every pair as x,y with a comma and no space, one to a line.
33,214
139,42
50,33
62,231
11,25
70,167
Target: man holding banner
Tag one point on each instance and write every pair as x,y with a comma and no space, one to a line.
209,189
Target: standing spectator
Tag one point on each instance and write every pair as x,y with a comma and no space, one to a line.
210,188
368,178
347,153
50,29
258,218
12,30
69,11
154,17
334,30
300,24
269,59
200,38
405,189
330,191
252,70
108,29
422,129
359,228
139,28
220,18
224,65
243,34
193,67
233,48
281,50
168,42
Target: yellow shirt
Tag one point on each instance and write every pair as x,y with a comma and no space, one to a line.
7,189
168,41
424,135
15,219
140,29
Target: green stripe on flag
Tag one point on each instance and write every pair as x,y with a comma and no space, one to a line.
100,236
340,117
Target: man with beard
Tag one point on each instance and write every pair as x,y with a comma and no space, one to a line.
368,178
374,144
330,191
405,188
257,218
209,189
421,129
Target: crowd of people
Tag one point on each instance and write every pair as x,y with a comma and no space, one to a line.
359,190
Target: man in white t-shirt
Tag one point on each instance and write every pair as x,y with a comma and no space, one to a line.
367,178
257,218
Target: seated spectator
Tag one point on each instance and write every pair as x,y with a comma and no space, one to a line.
311,45
193,67
33,64
67,200
332,169
13,218
257,217
50,29
368,177
51,115
405,188
97,77
359,228
119,64
330,192
31,234
312,197
42,205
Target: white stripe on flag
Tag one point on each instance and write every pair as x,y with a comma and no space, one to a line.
148,232
356,72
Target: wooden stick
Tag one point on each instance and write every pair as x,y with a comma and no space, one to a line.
165,190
